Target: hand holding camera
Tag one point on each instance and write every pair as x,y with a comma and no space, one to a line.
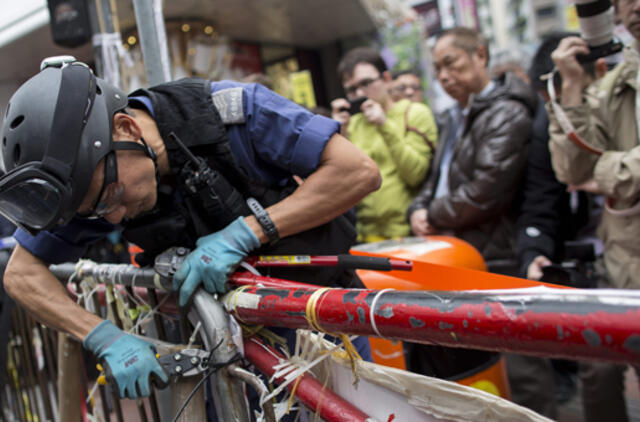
373,112
342,110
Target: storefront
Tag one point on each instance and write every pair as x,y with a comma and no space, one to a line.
296,44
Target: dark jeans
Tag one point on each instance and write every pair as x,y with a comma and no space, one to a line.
603,391
532,383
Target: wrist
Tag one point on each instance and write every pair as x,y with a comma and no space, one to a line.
267,225
571,94
101,337
249,240
254,226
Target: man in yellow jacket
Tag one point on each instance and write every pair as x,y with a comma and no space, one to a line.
400,137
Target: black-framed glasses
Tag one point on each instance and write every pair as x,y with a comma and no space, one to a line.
403,87
364,83
110,192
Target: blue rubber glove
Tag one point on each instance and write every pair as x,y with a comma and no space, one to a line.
214,259
131,360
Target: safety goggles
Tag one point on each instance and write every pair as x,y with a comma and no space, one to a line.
38,195
32,199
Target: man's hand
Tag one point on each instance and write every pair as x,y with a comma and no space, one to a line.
419,223
214,259
564,57
339,113
132,361
373,112
589,186
534,270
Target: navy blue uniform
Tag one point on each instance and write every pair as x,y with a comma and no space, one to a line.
273,139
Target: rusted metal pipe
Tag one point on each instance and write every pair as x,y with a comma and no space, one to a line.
315,396
599,325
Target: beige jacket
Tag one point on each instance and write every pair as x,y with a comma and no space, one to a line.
607,121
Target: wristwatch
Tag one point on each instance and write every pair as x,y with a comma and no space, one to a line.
265,221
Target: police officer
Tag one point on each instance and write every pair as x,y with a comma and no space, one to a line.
174,165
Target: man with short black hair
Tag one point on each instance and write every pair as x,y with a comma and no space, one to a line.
399,137
406,84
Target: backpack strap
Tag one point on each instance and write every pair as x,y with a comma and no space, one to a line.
409,128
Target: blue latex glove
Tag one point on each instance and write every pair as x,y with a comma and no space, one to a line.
214,259
131,360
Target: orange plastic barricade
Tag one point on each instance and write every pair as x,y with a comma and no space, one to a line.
439,263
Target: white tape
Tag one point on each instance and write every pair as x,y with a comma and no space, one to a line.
372,311
246,300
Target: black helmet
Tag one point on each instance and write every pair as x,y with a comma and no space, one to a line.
57,127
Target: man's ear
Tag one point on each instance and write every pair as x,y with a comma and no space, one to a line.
125,127
386,76
483,57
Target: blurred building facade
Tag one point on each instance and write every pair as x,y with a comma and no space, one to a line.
503,22
295,43
215,39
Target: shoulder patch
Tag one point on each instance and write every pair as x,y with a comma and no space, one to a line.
229,104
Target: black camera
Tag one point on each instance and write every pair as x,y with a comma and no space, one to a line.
596,20
354,105
577,268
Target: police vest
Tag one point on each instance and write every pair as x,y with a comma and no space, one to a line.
186,108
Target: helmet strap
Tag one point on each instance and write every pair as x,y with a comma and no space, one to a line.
130,145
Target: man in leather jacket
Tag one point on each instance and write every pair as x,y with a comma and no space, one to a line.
482,152
475,178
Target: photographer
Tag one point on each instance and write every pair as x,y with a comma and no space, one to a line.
606,160
597,151
399,137
550,215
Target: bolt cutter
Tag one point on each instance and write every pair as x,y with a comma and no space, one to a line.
183,363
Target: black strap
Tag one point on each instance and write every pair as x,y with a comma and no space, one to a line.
75,98
268,227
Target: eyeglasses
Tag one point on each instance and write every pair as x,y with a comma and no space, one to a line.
403,88
109,200
351,90
110,192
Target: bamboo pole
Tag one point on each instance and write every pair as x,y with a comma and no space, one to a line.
69,382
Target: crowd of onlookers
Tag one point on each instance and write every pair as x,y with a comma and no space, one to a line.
537,165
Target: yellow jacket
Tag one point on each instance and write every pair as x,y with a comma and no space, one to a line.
402,148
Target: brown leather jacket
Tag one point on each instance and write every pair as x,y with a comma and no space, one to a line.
487,166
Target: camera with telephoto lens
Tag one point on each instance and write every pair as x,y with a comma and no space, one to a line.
596,20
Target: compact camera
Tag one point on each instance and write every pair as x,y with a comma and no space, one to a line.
577,268
354,105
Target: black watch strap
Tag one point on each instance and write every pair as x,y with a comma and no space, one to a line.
265,221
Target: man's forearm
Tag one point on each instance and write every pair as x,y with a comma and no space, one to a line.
30,283
344,177
571,93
